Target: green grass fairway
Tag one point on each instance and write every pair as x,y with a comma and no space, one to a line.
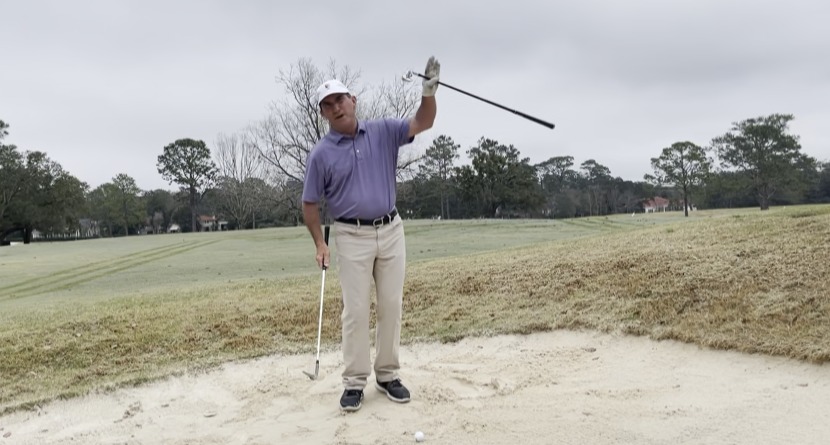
82,271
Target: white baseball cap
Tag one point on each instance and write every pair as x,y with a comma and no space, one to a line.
330,87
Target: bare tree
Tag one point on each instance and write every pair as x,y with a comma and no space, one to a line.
237,157
294,124
397,99
287,197
240,173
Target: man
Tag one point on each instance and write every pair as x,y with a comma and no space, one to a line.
353,168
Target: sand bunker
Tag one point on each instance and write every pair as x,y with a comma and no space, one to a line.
549,388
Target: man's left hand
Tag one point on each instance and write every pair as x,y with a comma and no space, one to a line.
432,71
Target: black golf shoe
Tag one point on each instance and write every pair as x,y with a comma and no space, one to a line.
394,390
351,399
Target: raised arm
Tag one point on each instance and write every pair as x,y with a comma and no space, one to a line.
425,115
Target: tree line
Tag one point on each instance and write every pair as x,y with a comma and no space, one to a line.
253,177
755,163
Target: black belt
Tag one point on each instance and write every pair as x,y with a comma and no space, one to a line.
377,222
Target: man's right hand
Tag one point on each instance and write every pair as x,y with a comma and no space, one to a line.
311,214
323,256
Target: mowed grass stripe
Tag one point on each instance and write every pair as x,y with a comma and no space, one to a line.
88,273
84,268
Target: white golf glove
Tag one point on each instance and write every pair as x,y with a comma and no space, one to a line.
432,71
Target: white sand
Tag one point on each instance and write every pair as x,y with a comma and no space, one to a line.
551,388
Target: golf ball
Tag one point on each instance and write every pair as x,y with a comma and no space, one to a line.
419,436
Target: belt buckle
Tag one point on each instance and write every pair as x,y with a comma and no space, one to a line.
377,222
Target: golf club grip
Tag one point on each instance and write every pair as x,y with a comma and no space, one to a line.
326,239
519,113
534,119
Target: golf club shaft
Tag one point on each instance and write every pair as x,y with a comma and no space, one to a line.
526,116
322,290
320,318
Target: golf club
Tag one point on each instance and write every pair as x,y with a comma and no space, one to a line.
408,76
320,318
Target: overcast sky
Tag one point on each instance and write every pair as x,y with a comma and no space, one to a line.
103,86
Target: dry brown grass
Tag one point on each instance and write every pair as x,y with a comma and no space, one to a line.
750,281
62,353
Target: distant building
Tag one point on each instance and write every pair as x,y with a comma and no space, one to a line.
656,204
211,223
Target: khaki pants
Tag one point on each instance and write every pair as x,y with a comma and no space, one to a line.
364,253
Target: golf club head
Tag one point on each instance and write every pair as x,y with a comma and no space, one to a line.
316,372
410,75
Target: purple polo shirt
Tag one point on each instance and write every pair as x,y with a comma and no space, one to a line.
357,175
